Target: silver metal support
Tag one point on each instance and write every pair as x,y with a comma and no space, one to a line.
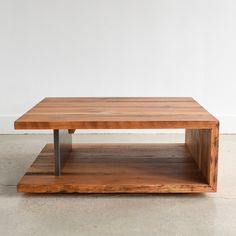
62,148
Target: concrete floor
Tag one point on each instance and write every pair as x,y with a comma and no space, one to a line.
117,214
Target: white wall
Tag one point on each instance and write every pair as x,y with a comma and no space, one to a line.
118,48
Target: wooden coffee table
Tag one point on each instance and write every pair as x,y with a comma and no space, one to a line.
122,168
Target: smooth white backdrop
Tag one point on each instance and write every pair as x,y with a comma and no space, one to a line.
118,48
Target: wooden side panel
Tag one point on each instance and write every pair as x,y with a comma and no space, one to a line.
213,160
193,144
203,145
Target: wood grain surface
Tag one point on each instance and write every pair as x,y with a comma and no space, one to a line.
117,168
203,146
198,144
116,113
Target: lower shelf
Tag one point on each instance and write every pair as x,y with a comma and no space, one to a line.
116,168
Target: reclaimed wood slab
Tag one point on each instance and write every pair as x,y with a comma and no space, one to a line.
116,113
122,168
117,168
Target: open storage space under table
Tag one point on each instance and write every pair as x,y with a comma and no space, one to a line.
114,168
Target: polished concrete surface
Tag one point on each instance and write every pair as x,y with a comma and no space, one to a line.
116,214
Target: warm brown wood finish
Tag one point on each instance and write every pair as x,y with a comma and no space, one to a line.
116,113
198,143
71,131
203,146
130,168
113,168
213,160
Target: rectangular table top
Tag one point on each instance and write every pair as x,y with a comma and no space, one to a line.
116,113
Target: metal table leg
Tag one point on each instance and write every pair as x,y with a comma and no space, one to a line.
62,148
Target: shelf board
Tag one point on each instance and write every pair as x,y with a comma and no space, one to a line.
117,168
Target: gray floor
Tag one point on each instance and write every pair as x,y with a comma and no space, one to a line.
76,214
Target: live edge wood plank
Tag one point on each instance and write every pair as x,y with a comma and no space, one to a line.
116,168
